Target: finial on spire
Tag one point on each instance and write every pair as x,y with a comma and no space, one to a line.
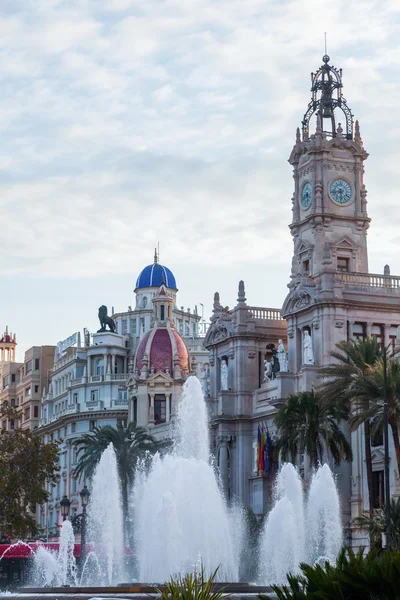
339,130
318,129
357,134
241,293
298,138
217,304
155,256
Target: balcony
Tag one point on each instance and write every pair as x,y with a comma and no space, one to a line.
119,404
369,282
266,314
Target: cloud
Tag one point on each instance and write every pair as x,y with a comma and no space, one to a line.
124,122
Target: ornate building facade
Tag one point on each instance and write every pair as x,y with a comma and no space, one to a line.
332,297
133,368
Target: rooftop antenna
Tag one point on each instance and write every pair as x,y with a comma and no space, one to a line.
326,51
158,250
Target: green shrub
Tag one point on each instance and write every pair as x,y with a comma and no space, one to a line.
192,586
370,577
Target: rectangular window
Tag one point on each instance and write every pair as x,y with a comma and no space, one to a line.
124,326
75,398
162,316
37,364
28,367
27,392
343,264
35,412
160,406
306,267
141,324
92,425
13,402
359,331
187,329
133,326
377,332
94,395
378,489
73,427
6,382
36,389
13,378
27,413
122,394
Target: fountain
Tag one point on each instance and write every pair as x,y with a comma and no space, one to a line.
105,521
180,515
294,533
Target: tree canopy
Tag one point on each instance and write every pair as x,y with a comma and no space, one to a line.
26,464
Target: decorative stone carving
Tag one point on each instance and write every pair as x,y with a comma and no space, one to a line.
224,375
105,320
204,381
282,357
221,324
308,354
268,374
290,333
339,324
251,354
231,353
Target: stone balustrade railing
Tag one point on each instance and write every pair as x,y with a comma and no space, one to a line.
371,280
270,314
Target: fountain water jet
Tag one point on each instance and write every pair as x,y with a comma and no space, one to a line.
180,515
284,543
105,520
324,527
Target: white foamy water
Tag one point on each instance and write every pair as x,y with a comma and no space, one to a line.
105,520
297,530
180,515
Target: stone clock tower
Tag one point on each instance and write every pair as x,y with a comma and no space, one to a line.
329,202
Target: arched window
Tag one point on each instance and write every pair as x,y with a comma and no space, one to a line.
99,366
162,317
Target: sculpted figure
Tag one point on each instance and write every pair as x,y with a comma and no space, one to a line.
224,375
282,357
267,370
105,320
204,381
308,354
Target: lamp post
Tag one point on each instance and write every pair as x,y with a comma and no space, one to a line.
386,534
65,503
84,494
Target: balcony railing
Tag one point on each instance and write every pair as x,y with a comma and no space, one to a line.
269,314
370,280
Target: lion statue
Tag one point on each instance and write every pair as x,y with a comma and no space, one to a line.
105,320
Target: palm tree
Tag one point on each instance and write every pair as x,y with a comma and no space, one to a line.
371,387
306,425
342,388
130,443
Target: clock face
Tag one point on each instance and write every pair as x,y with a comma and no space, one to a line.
306,195
340,191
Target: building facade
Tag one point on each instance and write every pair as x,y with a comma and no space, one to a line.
134,373
332,297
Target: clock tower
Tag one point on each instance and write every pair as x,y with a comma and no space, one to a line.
329,202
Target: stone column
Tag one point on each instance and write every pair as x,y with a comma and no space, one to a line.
296,207
223,464
89,368
168,408
113,364
151,415
369,330
357,170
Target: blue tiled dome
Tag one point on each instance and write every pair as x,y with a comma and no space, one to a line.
155,275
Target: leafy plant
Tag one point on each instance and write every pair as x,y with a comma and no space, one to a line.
192,586
371,577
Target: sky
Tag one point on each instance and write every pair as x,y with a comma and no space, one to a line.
125,123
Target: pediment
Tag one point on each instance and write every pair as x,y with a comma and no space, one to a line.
159,378
345,243
378,455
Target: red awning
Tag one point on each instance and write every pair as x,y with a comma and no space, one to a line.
29,549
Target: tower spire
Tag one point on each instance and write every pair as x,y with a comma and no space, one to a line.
155,256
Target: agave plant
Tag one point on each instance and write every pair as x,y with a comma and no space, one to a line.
192,586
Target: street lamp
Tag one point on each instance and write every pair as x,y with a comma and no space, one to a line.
84,494
65,503
386,534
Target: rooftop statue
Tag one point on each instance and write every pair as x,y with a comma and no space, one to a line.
105,320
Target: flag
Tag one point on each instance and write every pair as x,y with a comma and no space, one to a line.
263,446
269,448
259,449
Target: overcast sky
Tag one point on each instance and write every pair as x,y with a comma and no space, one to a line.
125,122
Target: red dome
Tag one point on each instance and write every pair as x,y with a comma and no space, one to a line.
162,345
